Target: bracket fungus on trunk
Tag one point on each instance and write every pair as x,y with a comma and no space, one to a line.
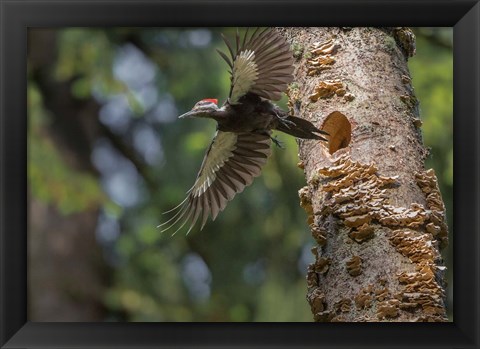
354,266
321,56
328,89
359,199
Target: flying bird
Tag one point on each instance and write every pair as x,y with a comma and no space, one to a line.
261,67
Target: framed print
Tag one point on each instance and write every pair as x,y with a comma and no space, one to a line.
93,152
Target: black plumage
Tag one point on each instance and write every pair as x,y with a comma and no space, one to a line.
261,67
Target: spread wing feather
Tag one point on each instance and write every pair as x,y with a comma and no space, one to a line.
262,64
231,163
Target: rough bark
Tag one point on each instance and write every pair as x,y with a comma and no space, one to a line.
375,213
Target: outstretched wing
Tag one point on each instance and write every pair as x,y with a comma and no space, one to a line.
261,64
231,163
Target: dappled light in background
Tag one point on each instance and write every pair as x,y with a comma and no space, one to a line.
124,88
120,179
197,277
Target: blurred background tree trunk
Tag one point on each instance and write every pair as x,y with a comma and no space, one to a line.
62,246
376,214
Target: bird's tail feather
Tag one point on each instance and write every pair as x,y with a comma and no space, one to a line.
300,128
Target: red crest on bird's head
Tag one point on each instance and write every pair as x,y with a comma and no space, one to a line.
213,100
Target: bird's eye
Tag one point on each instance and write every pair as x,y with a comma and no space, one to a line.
201,104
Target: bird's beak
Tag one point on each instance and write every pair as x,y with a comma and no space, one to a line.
189,114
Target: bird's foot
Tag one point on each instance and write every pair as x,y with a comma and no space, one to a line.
277,142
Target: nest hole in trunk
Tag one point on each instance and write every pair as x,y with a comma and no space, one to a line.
339,130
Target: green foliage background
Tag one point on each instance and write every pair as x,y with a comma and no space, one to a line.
248,265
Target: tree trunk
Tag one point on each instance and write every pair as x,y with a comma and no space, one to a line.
376,215
63,248
62,251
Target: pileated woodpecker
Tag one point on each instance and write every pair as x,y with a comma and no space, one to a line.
261,67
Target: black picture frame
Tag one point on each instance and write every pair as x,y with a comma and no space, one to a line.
17,16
